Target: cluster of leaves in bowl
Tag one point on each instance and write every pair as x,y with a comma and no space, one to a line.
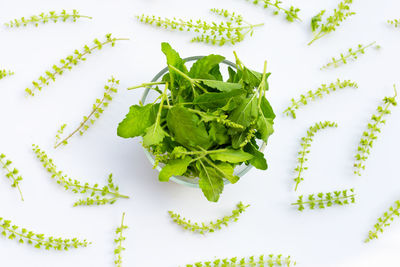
369,136
107,194
45,18
332,22
270,261
352,54
97,109
319,93
291,13
232,31
323,200
5,73
210,227
22,235
12,174
203,126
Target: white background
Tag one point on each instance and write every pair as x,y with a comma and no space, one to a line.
331,237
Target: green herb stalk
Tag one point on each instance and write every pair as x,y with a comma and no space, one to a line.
22,235
394,22
270,260
352,54
291,13
69,62
370,135
97,109
305,145
319,93
118,241
12,174
107,194
332,22
323,200
232,31
44,18
384,221
5,73
203,228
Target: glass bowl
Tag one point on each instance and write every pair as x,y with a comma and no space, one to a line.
150,95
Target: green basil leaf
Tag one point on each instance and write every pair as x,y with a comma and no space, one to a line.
233,77
258,160
174,167
216,74
231,155
216,100
201,68
218,133
238,137
246,113
267,109
136,121
154,135
227,170
211,183
186,128
221,85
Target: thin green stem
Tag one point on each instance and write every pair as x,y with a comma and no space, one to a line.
147,85
204,151
192,81
261,90
318,36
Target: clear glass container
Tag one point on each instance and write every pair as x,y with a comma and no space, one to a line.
150,95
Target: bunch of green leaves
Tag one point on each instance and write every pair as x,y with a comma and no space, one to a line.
97,109
261,261
108,194
370,135
317,94
394,22
341,13
22,235
305,148
232,31
201,126
5,73
322,200
384,221
45,18
291,13
118,241
352,54
12,174
210,227
70,61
